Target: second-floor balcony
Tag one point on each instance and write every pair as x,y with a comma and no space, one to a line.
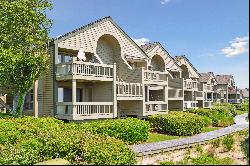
208,87
129,91
190,84
84,70
155,77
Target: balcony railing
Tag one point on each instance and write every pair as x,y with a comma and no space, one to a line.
155,76
175,93
84,110
175,83
190,104
190,84
208,104
199,95
156,107
208,87
128,90
85,69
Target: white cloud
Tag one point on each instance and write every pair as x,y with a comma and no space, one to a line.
163,2
238,46
141,41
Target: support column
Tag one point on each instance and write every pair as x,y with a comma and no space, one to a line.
227,95
35,104
73,91
115,114
143,94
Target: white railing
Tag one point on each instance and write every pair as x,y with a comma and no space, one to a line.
190,84
85,110
190,104
155,76
125,89
156,107
85,69
208,87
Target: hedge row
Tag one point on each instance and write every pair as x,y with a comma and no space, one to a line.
31,140
220,115
130,130
178,123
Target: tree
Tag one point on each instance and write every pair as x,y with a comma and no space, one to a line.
23,46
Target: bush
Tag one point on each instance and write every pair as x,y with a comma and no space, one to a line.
222,120
225,108
178,123
243,106
5,115
39,139
228,142
206,159
207,121
202,112
130,130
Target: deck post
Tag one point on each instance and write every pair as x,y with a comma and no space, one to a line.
114,92
73,91
35,91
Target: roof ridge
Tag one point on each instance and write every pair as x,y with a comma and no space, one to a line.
82,27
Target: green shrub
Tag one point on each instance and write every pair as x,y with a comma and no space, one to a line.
228,142
245,148
216,143
178,123
130,130
39,139
222,120
206,159
202,112
207,121
225,108
5,115
243,106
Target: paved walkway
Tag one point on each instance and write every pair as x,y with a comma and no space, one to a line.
156,147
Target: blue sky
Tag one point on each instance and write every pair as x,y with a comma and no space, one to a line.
213,34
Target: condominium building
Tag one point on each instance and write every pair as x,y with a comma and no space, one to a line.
98,72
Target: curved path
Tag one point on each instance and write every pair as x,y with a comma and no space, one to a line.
157,147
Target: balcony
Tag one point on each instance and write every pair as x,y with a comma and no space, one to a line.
208,104
175,94
199,95
85,71
84,110
156,107
190,104
190,84
208,87
155,77
129,91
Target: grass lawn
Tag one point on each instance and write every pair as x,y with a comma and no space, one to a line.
156,137
207,129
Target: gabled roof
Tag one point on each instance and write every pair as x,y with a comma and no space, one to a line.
150,46
92,24
204,77
224,79
177,59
